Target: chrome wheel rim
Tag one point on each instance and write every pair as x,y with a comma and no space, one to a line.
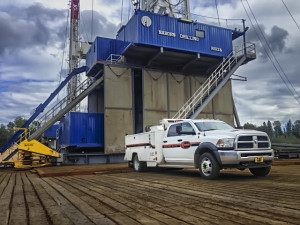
136,164
206,166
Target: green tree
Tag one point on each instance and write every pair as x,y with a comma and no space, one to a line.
277,128
249,126
19,122
263,128
4,135
270,129
34,126
289,128
296,128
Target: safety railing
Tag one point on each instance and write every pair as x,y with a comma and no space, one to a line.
212,81
66,100
113,58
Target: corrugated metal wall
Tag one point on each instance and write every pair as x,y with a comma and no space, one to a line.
179,91
117,108
163,95
155,97
171,91
155,34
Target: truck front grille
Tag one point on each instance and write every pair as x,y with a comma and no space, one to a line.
252,142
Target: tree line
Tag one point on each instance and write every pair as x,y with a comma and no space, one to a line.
7,131
276,130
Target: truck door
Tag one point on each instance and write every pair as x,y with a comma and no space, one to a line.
180,144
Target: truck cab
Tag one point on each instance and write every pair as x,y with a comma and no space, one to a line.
210,145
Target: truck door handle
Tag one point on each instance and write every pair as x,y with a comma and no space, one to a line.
179,140
165,141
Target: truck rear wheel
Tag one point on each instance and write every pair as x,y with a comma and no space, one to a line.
138,166
208,166
260,172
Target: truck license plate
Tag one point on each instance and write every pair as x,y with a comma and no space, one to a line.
259,159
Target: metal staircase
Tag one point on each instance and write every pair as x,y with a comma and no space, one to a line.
64,106
214,83
42,106
58,111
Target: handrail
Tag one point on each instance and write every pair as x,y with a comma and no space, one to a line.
56,108
213,80
42,106
113,58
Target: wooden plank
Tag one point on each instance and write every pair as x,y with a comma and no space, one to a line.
4,182
85,195
118,209
180,191
82,170
115,191
139,203
36,212
64,205
2,177
53,209
18,214
5,200
214,192
84,207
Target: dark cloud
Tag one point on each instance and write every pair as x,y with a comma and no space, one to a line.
276,40
31,26
101,26
210,3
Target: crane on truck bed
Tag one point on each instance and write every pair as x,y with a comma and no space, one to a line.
32,154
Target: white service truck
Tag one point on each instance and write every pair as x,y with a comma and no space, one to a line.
210,145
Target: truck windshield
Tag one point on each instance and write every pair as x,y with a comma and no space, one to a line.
206,126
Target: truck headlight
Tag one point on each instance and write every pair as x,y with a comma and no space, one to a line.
225,143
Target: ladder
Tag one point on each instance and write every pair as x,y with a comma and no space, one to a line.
59,110
214,83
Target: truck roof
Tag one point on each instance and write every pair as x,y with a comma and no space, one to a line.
168,121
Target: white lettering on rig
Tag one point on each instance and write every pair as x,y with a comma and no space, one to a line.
187,37
166,33
216,49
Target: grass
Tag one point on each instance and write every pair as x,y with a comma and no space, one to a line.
286,139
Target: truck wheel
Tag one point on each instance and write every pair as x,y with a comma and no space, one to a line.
137,165
260,172
208,166
130,164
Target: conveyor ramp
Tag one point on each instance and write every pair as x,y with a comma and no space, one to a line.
56,112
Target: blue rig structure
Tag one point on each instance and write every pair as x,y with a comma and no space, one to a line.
152,68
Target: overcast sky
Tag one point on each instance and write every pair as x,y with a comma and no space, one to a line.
33,52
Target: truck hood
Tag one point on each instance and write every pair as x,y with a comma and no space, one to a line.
232,133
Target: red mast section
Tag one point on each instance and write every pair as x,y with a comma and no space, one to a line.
75,9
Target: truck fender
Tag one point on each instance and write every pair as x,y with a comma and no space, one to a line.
206,147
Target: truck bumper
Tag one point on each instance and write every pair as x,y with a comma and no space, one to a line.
246,159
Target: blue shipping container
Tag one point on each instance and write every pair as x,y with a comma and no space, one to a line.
81,130
102,48
162,31
51,132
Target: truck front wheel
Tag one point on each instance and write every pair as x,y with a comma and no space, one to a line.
260,172
208,166
138,166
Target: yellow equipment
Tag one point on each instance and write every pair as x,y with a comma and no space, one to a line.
33,154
